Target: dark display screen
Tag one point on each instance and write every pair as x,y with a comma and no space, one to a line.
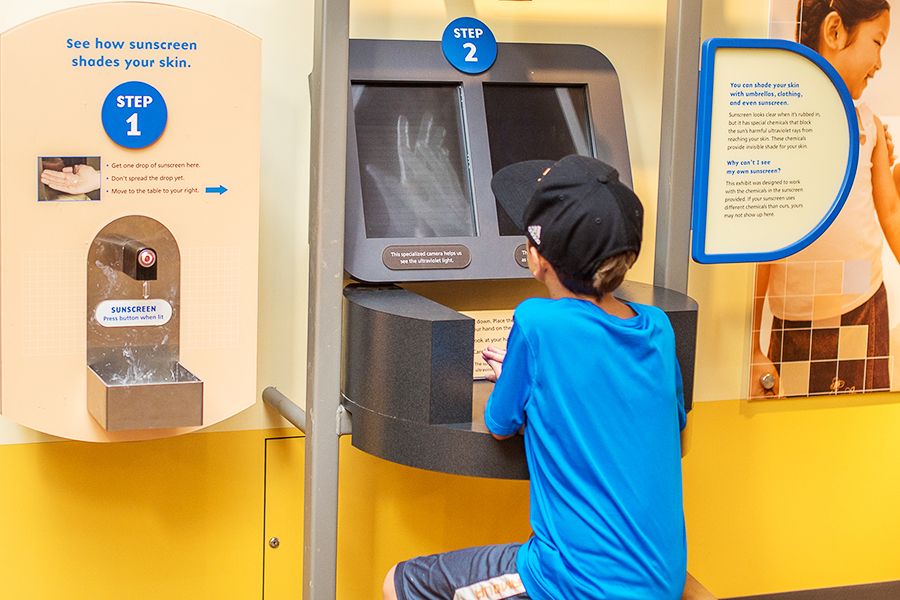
533,122
412,161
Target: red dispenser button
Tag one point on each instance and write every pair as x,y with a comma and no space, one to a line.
147,257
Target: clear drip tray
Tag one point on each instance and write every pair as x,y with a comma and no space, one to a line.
162,397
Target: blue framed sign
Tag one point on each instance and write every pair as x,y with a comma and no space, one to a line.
777,149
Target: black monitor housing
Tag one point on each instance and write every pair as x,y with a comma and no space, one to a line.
424,141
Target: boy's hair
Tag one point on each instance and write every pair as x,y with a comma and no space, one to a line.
608,277
811,14
575,211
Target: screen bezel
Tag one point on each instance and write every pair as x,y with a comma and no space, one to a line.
415,62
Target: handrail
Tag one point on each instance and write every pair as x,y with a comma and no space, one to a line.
285,407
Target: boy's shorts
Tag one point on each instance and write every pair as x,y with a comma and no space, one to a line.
484,573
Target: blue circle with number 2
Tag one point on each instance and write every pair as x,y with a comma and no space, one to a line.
469,45
134,114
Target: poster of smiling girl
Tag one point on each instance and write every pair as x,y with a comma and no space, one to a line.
826,320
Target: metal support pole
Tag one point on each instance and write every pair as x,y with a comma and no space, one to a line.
328,91
676,152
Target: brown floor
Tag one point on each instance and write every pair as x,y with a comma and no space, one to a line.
889,590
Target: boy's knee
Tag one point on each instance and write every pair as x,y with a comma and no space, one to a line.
387,590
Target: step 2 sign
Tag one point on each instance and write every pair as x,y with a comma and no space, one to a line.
469,45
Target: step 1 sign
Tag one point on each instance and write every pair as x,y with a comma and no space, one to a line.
134,114
777,149
130,112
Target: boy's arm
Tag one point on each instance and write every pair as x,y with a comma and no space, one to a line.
494,356
504,414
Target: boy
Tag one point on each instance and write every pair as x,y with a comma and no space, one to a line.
601,389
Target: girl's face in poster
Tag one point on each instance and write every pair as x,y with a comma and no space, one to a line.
856,58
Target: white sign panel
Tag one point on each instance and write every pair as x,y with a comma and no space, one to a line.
133,313
776,150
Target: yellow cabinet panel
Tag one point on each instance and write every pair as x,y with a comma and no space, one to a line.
283,562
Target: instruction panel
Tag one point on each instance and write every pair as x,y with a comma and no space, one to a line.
491,329
777,147
136,111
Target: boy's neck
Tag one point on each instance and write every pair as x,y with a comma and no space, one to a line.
608,303
544,272
615,307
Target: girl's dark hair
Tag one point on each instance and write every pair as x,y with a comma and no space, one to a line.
811,14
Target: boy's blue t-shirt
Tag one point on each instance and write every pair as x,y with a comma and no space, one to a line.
604,405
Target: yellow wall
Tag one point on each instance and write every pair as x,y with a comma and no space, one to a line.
794,495
778,496
174,518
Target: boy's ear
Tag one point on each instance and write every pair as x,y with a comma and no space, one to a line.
537,264
833,35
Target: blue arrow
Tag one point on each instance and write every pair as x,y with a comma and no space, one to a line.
216,190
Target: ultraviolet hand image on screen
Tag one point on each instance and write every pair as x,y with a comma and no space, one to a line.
412,161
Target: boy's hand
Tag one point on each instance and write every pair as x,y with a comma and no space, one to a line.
494,356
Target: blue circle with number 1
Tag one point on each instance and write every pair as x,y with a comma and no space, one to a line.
469,45
134,114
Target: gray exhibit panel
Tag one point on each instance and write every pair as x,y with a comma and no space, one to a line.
407,379
402,351
424,140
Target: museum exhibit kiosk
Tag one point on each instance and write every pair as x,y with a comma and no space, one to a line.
129,290
408,111
423,143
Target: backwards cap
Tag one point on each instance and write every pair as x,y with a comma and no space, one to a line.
575,211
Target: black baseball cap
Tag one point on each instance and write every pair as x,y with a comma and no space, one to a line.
575,211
